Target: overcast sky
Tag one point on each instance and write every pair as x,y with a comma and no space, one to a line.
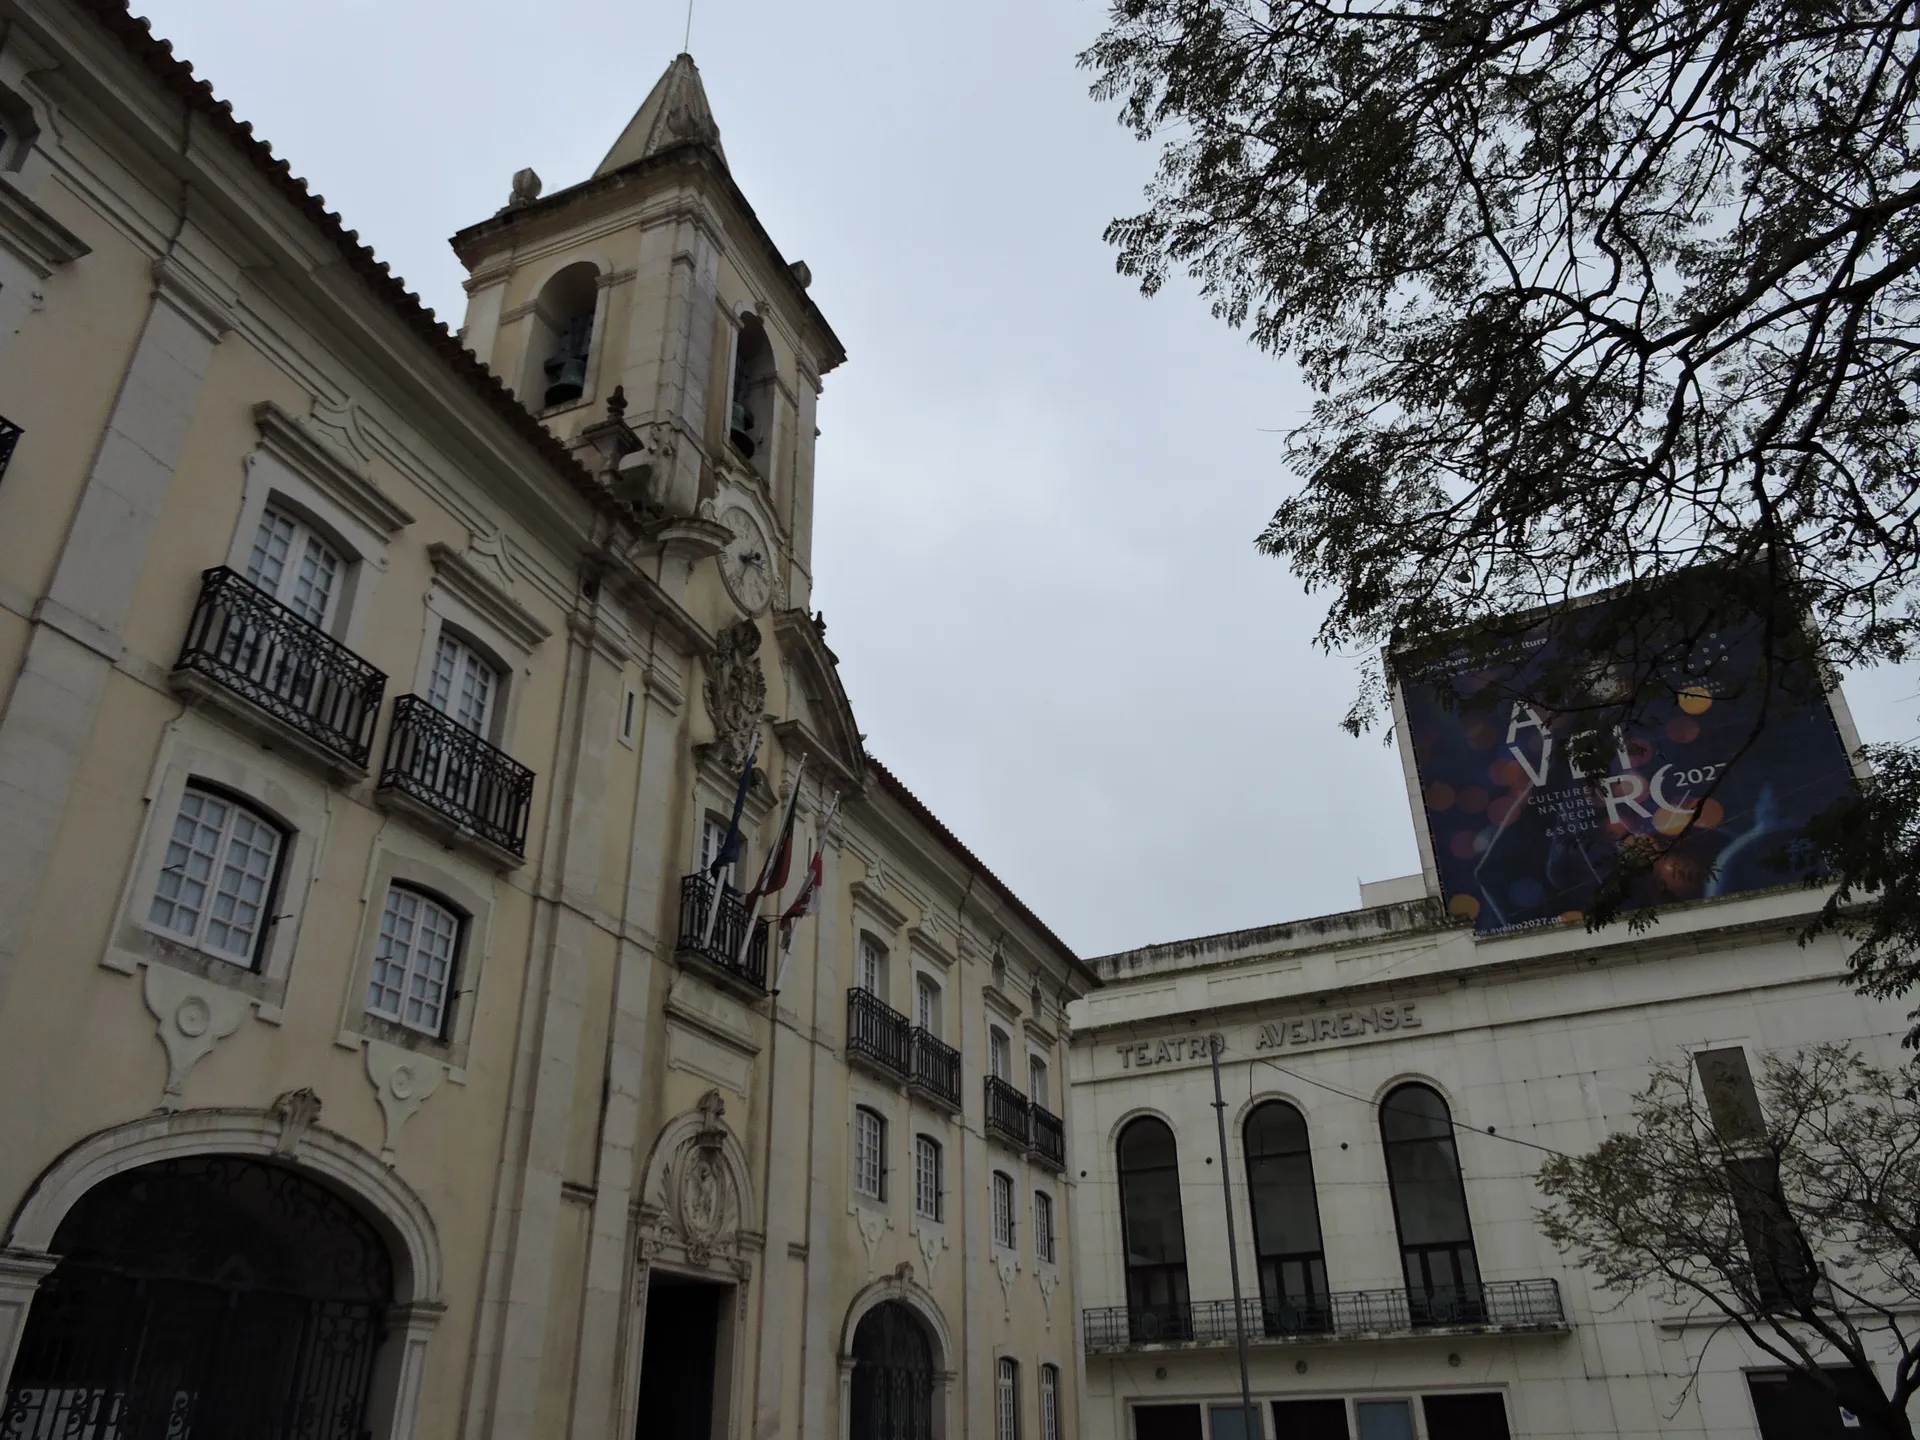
1037,492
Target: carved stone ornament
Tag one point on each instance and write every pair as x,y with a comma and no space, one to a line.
932,1245
736,692
403,1082
296,1111
1007,1267
194,1015
1049,1279
702,1206
873,1225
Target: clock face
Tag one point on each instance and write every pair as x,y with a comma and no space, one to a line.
747,562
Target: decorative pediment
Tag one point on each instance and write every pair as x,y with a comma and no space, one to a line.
697,1200
481,579
830,736
312,451
41,241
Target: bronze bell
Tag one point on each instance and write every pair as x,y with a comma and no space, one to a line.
567,370
741,431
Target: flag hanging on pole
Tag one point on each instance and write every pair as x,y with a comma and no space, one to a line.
779,858
807,901
729,850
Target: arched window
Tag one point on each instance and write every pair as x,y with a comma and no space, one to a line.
413,967
750,415
563,334
1286,1220
1007,1400
1155,1232
1430,1207
869,1153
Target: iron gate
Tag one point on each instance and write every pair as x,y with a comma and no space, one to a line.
892,1376
211,1298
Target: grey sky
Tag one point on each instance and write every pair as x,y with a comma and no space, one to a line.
1037,492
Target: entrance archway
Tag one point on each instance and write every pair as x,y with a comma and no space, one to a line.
213,1295
893,1376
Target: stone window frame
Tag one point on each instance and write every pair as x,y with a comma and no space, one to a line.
878,1195
284,795
1052,1255
1012,1191
471,897
297,473
472,607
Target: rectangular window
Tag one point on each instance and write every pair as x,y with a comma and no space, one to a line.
1043,1226
1231,1422
1310,1420
1783,1269
926,1176
1384,1419
1037,1081
1166,1422
1481,1416
462,685
217,877
926,1004
873,967
713,835
869,1154
1007,1410
629,714
998,1060
1003,1209
413,964
295,566
1049,1402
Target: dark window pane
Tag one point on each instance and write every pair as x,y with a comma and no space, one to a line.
1414,1112
1276,1128
1792,1406
1286,1213
1384,1419
1155,1234
1466,1417
1147,1144
1166,1422
1231,1422
1310,1420
1151,1221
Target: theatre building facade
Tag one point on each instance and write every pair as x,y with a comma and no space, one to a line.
387,1049
1391,1080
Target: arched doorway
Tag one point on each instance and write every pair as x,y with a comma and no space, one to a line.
892,1376
211,1295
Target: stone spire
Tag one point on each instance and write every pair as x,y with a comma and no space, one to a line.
675,112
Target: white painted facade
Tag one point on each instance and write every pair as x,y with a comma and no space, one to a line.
1536,1039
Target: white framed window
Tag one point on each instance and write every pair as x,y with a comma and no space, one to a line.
413,961
713,834
869,1154
295,566
1037,1081
1043,1226
927,1179
1049,1402
1007,1400
926,1004
463,685
216,880
999,1053
873,966
1003,1209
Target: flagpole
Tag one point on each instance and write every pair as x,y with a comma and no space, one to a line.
731,844
786,927
784,842
1250,1428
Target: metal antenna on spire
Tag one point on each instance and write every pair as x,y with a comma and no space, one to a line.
686,42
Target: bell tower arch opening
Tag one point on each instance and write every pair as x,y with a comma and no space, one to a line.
750,407
561,335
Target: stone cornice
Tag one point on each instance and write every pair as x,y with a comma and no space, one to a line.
34,235
875,902
470,583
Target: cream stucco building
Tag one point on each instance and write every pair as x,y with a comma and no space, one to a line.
1391,1081
372,699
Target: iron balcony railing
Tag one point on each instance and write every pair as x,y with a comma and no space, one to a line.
250,644
9,437
457,775
1046,1136
936,1068
1006,1113
728,938
879,1033
1491,1305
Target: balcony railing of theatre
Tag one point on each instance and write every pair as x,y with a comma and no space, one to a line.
289,671
452,772
730,940
936,1069
1499,1305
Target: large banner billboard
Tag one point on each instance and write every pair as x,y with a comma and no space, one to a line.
1521,836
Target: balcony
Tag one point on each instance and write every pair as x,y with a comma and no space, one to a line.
286,680
936,1070
456,782
726,944
879,1037
1046,1137
1006,1113
1493,1307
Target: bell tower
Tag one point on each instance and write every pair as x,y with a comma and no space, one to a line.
650,292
